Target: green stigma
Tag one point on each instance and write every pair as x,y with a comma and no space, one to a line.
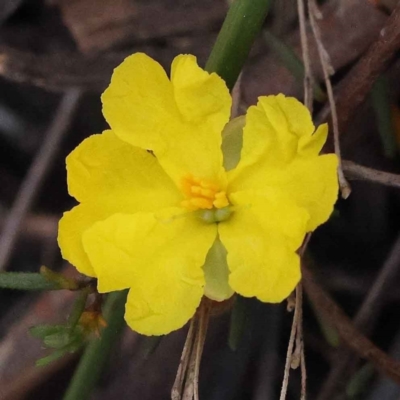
215,215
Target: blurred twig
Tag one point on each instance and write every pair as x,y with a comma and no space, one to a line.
37,173
354,88
327,72
366,314
308,78
289,352
58,71
38,226
353,338
296,358
356,171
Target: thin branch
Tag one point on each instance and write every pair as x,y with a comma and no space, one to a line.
38,226
373,301
353,338
355,87
203,326
191,391
289,353
367,313
308,78
303,392
356,171
327,71
37,172
176,393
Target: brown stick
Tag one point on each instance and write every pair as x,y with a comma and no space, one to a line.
355,171
353,338
327,72
176,393
367,313
354,88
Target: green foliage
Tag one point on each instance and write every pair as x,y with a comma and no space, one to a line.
241,26
26,281
97,352
45,280
61,338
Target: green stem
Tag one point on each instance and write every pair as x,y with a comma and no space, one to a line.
97,352
241,26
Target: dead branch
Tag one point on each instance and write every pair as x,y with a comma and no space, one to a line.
353,338
327,72
359,172
354,88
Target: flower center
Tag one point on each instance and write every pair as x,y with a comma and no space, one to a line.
202,194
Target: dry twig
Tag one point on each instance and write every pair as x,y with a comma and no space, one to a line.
356,171
367,313
183,365
186,385
354,88
353,338
327,71
308,78
289,353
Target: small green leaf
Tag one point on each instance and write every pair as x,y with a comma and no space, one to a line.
26,281
55,355
41,331
57,340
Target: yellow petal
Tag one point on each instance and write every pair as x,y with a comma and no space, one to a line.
109,176
312,145
70,230
314,185
277,128
310,182
159,257
103,168
281,151
261,238
198,94
181,122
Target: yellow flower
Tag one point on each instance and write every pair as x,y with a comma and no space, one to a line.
159,214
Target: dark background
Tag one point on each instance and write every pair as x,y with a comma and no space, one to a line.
50,47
